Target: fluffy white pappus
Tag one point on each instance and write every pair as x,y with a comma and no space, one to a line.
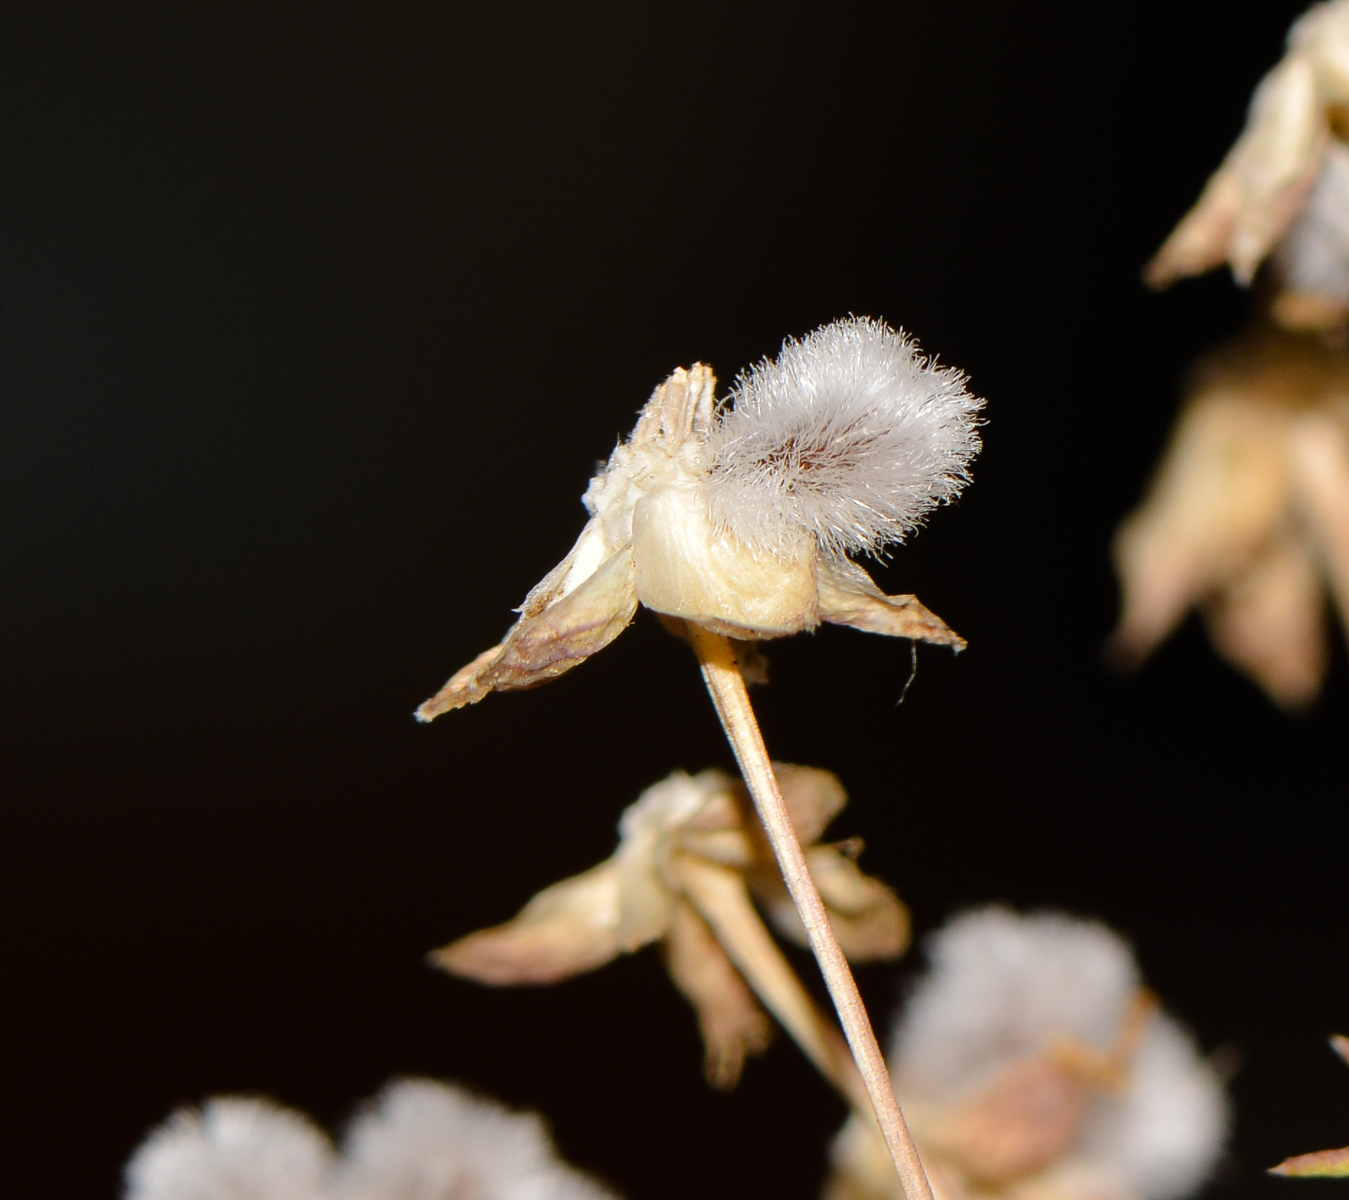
1003,986
424,1140
1166,1130
1313,256
850,435
231,1149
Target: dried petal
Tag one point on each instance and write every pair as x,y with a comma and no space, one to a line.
1319,1163
1261,185
868,918
848,596
1319,449
1269,622
732,1023
1217,501
549,639
567,928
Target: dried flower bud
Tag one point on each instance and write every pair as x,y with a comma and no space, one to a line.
1030,1065
690,858
740,520
232,1148
1248,518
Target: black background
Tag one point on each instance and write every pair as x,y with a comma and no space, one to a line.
313,320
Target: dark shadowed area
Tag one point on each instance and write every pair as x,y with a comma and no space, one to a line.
313,321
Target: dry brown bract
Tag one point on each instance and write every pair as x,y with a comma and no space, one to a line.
1248,517
690,864
1285,155
651,539
1321,1162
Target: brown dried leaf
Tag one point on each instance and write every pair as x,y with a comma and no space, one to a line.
1320,1163
551,637
567,928
849,596
732,1023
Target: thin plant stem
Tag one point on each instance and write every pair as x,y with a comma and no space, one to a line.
722,899
721,672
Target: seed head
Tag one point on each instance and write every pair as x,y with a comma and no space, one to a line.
849,435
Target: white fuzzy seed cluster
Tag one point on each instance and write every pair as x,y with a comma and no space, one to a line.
850,436
1002,986
420,1140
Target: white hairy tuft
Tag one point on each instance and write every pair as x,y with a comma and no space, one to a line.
430,1141
232,1149
850,435
1313,256
1004,986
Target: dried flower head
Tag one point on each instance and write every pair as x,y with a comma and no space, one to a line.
420,1140
232,1149
1031,1065
1248,517
423,1140
690,858
1283,179
739,519
1320,1163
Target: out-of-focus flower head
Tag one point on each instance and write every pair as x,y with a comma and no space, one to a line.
232,1149
741,518
1320,1163
691,859
1032,1066
1248,517
1284,186
421,1140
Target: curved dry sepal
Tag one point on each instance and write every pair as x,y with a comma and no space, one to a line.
551,637
733,1024
568,928
868,919
848,596
1260,187
1321,1163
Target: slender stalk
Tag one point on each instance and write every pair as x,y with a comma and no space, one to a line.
722,899
721,672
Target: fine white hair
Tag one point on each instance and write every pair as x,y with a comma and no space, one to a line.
1313,255
231,1149
850,435
424,1140
1002,986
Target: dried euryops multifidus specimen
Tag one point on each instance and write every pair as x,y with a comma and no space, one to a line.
420,1140
740,518
1320,1163
1284,185
690,867
1032,1066
735,522
1248,517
